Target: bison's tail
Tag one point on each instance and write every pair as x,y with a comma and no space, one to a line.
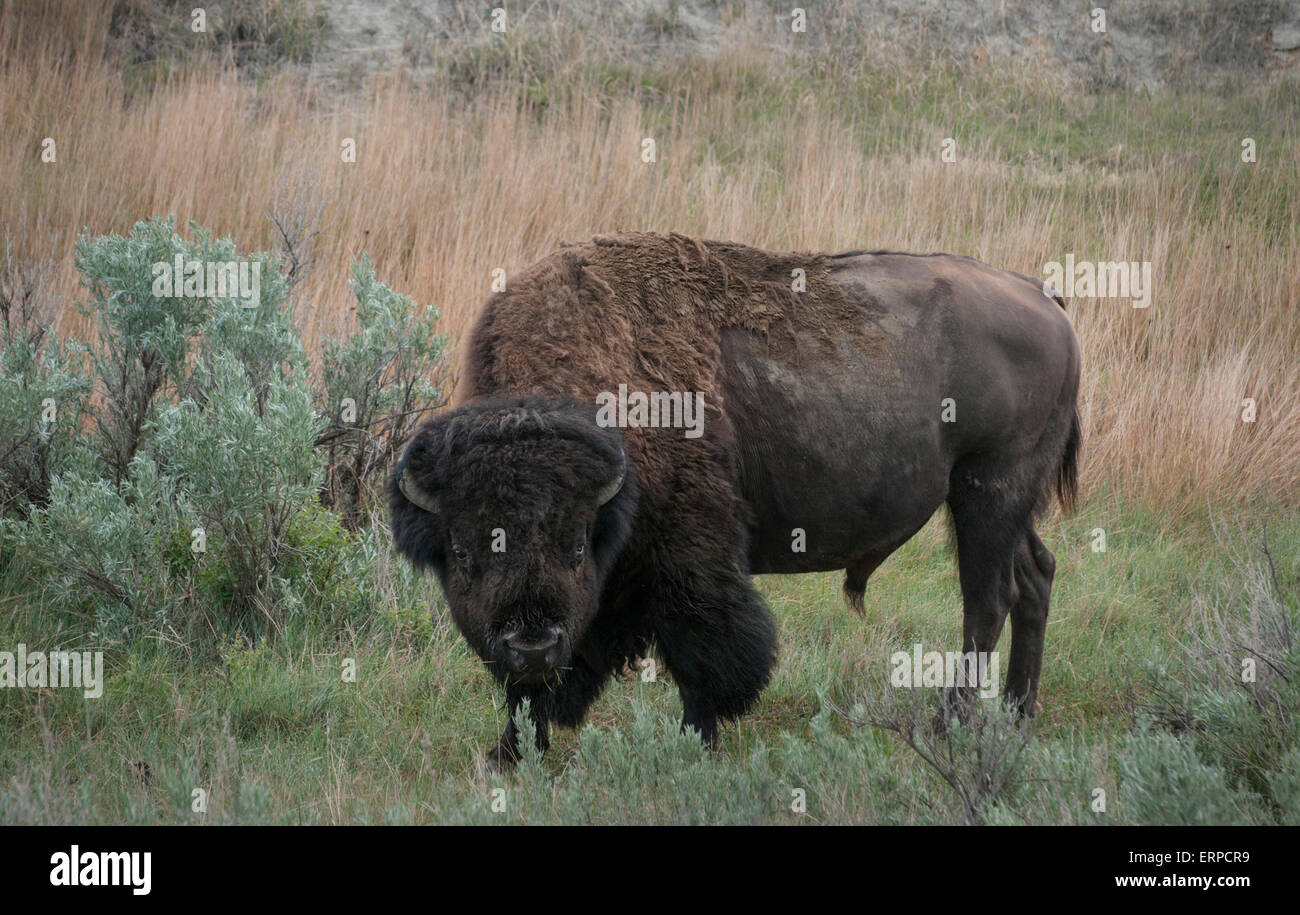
1067,476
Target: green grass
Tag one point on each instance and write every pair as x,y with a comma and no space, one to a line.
273,733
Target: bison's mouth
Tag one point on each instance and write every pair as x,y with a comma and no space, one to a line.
530,656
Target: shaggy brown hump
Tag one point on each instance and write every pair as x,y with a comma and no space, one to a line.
648,310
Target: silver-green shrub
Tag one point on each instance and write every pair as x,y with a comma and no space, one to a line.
184,497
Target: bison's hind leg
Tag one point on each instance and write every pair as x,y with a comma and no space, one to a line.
1035,569
990,528
1005,568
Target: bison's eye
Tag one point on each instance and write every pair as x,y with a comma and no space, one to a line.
581,549
459,552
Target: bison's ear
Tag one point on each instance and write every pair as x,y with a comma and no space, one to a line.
413,500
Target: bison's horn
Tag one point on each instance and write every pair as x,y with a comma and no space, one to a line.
612,488
415,495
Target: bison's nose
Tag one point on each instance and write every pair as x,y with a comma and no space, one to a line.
533,652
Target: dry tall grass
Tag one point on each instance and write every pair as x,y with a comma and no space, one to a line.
445,189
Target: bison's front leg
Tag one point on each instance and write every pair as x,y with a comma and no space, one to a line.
719,642
565,703
699,715
506,752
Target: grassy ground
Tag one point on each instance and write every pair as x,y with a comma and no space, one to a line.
273,733
526,143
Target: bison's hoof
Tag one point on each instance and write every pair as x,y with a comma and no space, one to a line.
1024,710
502,758
958,705
943,719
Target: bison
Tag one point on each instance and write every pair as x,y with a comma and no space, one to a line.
844,399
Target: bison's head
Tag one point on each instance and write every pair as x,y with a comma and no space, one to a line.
520,506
